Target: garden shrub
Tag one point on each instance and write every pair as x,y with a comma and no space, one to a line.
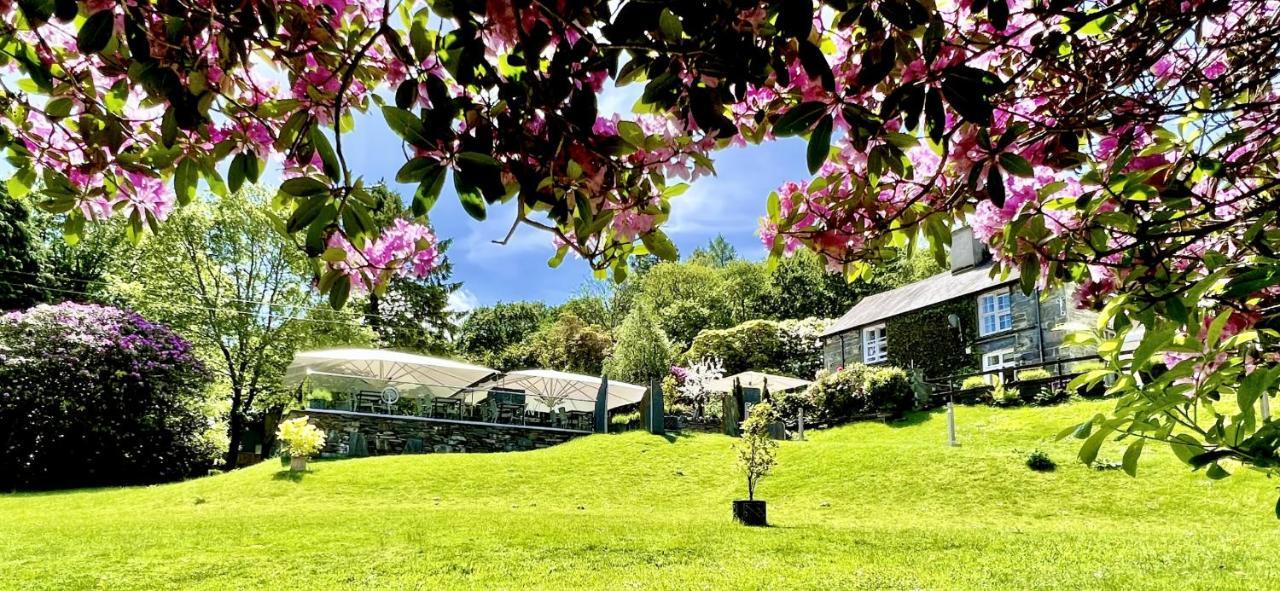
789,347
859,390
1040,461
98,396
974,383
624,421
299,438
787,406
1039,393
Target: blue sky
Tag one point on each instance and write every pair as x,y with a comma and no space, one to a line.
730,203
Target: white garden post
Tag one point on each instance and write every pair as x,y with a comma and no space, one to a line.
1266,406
801,424
951,424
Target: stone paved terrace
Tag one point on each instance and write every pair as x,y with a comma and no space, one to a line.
388,434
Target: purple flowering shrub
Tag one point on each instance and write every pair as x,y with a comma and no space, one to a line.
94,396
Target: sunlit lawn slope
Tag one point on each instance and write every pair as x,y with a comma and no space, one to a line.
866,506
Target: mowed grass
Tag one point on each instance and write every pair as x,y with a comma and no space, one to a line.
866,506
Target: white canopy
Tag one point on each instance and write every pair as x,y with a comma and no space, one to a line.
758,380
374,369
547,390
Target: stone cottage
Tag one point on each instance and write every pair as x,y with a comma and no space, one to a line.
960,321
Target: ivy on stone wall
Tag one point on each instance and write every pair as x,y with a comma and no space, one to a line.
925,339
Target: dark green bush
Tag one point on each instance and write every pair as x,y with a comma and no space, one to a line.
858,391
1040,461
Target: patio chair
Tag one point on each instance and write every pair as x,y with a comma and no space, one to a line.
489,411
367,401
426,405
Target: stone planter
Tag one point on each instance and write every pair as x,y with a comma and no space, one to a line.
297,464
750,513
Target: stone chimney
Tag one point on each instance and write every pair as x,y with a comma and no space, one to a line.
967,252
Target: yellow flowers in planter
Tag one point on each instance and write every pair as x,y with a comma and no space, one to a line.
299,438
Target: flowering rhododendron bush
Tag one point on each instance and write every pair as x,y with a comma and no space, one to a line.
1129,146
96,396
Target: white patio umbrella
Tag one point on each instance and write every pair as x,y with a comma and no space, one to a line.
756,379
375,369
547,390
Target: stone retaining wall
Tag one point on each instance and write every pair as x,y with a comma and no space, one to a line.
388,434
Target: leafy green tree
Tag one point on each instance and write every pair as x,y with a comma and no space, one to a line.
19,268
490,330
748,291
717,253
687,299
570,344
223,276
642,350
74,266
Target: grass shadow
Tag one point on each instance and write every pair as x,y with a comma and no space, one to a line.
916,417
290,475
674,436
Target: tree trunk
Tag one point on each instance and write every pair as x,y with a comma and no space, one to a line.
235,430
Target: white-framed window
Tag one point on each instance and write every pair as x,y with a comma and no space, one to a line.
999,360
874,349
995,312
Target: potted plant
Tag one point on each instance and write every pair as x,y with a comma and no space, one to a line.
756,454
319,398
299,440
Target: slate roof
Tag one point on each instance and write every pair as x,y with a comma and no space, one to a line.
921,294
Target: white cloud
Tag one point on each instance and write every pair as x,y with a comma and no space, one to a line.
463,301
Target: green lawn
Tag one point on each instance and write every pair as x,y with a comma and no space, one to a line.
867,506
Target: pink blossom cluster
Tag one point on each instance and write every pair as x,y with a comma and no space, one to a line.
403,249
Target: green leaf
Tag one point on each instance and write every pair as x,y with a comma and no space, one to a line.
558,258
1216,472
405,124
660,245
416,169
1185,447
339,292
59,107
184,180
1215,328
304,187
1089,450
96,32
1131,455
799,119
820,144
407,94
428,191
632,133
327,156
469,195
995,186
334,255
483,161
1016,165
237,172
670,25
305,212
1153,342
21,182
